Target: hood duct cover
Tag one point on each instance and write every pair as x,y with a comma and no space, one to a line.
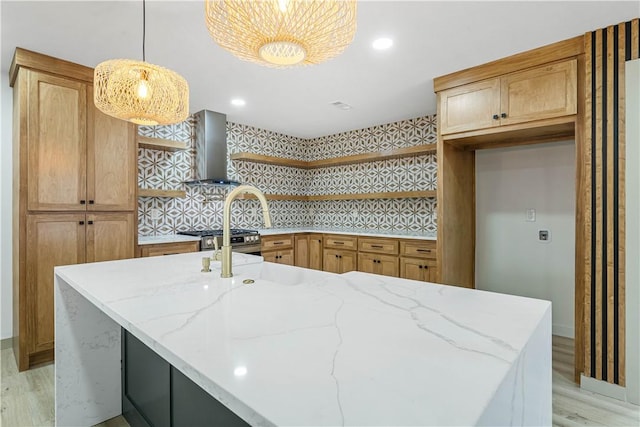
211,149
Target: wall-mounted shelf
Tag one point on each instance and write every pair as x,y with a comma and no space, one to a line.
350,196
151,192
336,161
161,144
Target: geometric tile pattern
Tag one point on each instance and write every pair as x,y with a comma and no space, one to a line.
201,209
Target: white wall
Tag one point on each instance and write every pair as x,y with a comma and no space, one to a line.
632,275
6,312
509,257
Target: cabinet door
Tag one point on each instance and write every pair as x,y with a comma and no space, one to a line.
315,252
109,236
331,261
387,265
367,263
112,159
470,107
52,240
285,257
539,93
431,272
302,250
411,268
270,256
56,164
348,261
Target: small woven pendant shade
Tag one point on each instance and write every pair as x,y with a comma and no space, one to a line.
282,33
140,92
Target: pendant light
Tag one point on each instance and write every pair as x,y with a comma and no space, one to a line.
140,92
282,33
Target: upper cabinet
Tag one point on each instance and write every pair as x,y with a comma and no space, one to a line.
537,93
79,158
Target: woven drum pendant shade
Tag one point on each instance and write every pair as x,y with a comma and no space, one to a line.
140,92
282,33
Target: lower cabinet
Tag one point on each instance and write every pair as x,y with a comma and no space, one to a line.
418,260
308,251
419,269
63,239
154,393
160,249
387,265
339,261
278,248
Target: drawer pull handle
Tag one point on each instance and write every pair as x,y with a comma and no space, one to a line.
82,202
496,117
90,222
503,115
91,202
278,243
423,250
338,243
377,246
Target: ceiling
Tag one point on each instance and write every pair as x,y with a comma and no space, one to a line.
430,39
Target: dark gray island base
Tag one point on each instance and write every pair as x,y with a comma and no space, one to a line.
155,394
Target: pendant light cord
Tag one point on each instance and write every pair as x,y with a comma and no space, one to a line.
144,31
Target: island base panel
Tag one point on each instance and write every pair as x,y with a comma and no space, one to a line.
157,394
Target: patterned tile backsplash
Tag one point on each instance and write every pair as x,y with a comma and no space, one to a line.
202,207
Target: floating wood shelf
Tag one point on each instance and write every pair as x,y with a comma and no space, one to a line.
150,192
336,161
351,196
161,144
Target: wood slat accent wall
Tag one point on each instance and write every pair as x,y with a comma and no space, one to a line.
606,51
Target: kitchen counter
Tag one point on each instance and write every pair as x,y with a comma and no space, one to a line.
168,238
315,348
358,231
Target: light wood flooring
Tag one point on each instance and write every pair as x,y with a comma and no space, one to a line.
27,397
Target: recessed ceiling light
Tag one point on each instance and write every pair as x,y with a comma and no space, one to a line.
341,105
382,43
238,102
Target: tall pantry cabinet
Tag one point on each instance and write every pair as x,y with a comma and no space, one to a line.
74,191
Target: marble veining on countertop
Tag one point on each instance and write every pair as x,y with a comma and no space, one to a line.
403,234
304,347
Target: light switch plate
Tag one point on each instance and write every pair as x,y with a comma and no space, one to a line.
530,215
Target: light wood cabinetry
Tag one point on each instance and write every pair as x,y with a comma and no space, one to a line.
539,93
418,260
340,253
74,192
278,248
61,239
160,249
78,158
308,250
378,256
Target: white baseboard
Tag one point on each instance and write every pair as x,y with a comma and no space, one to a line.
604,388
563,331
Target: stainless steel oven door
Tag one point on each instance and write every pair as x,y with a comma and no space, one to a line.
246,249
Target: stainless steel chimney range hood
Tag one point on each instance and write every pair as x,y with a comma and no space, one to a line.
211,150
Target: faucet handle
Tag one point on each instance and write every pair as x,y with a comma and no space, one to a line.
206,264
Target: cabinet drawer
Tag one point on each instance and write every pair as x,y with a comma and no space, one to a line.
349,243
168,248
418,248
277,242
377,245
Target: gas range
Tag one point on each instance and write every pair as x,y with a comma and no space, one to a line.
244,241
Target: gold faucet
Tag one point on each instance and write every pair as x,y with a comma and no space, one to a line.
226,223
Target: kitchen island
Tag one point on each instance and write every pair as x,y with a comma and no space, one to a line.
304,347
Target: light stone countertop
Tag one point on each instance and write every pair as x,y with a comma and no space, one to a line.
176,238
304,347
168,238
358,231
